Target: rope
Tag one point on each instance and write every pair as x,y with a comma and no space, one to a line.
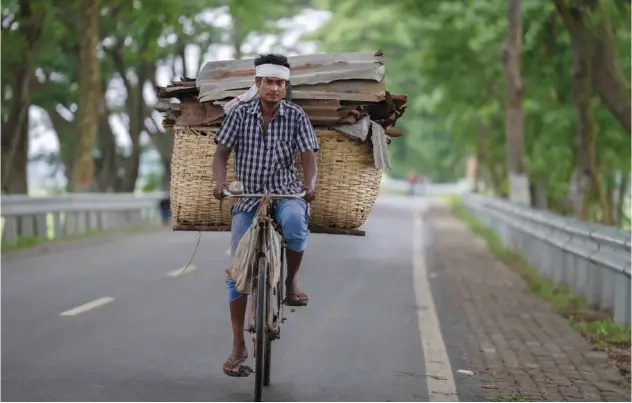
193,255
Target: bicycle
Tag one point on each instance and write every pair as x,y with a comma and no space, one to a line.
259,297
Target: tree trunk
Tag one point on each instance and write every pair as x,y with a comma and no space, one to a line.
585,177
487,160
90,95
18,181
622,195
137,111
607,210
602,198
580,186
66,132
608,79
15,134
539,196
16,126
609,83
108,163
518,181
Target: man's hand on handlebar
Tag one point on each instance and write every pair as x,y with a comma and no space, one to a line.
218,191
310,195
236,189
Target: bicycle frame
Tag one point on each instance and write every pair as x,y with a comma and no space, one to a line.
267,324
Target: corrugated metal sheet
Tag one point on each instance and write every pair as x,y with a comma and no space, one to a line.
217,79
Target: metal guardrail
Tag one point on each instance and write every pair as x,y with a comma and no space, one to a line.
593,260
75,214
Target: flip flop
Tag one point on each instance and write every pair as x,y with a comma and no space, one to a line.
293,299
232,362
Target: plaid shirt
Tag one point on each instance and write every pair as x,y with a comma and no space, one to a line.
265,163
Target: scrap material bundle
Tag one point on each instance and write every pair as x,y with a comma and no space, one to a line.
344,92
344,95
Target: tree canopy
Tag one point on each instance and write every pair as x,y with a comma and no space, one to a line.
542,91
448,57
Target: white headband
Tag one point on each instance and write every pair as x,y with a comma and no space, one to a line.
272,70
263,70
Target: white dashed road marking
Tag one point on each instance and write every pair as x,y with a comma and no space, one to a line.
88,306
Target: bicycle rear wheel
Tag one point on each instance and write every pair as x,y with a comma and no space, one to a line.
266,363
261,341
279,319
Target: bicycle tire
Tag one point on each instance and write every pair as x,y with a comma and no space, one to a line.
279,291
267,363
260,327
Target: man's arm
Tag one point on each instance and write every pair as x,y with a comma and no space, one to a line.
220,159
307,145
226,139
310,169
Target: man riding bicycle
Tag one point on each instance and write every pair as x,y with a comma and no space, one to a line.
266,133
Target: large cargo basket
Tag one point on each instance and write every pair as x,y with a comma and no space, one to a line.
348,182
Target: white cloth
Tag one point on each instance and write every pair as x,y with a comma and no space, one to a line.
272,70
240,270
263,70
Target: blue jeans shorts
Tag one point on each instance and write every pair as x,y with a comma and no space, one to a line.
291,216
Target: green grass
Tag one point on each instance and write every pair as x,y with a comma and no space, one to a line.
596,326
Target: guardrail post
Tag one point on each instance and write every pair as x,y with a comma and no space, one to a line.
581,276
27,226
93,221
622,300
41,226
594,285
10,235
608,289
70,223
56,225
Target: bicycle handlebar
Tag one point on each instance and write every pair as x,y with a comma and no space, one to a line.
228,195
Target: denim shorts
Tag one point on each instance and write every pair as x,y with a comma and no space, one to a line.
291,216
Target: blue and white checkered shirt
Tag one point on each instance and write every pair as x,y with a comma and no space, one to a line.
266,163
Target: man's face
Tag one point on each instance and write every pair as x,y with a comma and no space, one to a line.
271,89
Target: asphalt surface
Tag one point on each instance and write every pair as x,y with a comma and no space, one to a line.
160,337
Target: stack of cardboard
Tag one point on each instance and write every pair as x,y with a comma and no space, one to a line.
334,90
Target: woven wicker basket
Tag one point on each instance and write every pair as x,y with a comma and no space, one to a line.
348,182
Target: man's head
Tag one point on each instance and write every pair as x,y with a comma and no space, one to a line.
273,75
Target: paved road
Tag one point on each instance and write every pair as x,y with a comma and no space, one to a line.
377,303
160,337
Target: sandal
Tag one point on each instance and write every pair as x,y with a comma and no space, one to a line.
233,362
293,299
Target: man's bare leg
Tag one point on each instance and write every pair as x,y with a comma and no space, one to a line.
235,365
237,319
291,282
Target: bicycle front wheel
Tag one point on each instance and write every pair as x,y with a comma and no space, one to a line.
260,327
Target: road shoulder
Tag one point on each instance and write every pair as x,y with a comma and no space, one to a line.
515,344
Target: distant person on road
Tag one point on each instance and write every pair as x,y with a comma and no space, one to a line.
266,133
165,210
413,179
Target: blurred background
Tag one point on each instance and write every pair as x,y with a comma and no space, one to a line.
78,79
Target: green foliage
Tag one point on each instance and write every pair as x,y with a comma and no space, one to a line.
137,37
446,56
